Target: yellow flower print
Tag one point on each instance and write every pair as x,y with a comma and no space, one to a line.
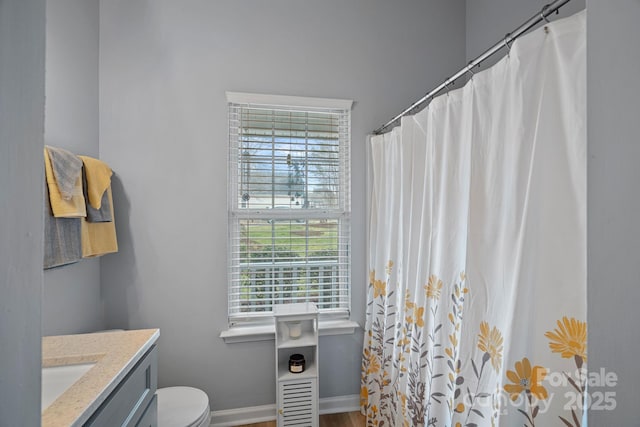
526,379
409,320
403,399
407,301
490,341
379,288
389,267
418,313
569,338
434,286
404,341
453,340
385,379
373,366
364,396
372,276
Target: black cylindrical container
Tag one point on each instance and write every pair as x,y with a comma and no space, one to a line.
296,363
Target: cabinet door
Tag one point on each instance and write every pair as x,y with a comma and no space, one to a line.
150,416
298,403
126,404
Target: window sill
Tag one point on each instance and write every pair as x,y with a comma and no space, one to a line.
267,332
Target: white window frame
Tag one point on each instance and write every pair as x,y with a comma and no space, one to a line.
253,325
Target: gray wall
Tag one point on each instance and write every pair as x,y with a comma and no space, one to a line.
613,63
164,69
22,45
488,21
72,302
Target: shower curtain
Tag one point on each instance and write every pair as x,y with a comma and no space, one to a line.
476,310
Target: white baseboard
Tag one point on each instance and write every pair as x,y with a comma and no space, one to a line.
339,404
240,416
262,413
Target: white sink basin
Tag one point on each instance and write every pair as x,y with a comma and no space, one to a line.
57,379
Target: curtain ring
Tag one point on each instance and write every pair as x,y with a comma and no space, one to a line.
542,13
448,83
507,39
470,69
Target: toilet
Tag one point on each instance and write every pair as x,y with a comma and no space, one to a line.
182,407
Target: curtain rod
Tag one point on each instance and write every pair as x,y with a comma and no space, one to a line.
547,10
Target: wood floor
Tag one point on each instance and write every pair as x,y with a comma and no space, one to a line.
348,419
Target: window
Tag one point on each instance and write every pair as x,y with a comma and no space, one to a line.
289,205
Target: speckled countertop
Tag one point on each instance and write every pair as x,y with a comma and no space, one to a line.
114,353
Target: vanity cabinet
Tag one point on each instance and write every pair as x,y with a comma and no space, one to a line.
133,402
297,386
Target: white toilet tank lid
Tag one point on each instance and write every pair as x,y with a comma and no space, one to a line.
181,406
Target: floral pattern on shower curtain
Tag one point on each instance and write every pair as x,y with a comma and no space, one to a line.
476,310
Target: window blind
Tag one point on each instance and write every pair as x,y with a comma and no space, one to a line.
289,208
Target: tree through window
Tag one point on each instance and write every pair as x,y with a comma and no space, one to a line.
289,204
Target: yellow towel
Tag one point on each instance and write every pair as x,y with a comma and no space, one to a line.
98,179
99,238
61,208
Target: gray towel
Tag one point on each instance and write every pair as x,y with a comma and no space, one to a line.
66,169
96,215
62,242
